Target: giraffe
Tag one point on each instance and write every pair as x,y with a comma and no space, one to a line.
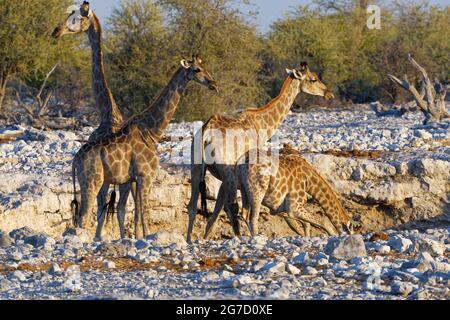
281,183
83,19
130,154
221,162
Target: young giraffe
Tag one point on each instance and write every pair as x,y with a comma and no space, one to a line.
282,183
130,155
264,121
83,19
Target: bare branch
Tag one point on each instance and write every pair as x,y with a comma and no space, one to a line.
431,99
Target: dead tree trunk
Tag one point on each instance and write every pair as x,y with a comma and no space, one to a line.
431,99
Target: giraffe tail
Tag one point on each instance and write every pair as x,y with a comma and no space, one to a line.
74,204
111,205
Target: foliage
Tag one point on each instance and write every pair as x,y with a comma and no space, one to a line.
26,48
333,37
145,50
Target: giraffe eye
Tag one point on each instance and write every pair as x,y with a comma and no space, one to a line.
197,70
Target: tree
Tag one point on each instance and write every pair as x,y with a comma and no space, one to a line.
145,50
137,53
332,35
26,48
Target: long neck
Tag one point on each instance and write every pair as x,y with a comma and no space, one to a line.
111,117
158,115
273,114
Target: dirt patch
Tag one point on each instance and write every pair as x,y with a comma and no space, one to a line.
356,153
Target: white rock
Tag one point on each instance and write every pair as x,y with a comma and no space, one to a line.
400,244
54,269
292,269
301,259
346,247
109,264
274,267
19,275
402,288
310,271
383,249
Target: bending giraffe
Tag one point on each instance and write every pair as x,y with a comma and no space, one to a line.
130,156
209,153
282,183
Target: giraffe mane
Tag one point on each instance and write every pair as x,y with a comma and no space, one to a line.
274,100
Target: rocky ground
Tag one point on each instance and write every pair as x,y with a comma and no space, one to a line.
392,171
391,265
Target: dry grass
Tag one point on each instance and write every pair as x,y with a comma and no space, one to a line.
123,264
356,153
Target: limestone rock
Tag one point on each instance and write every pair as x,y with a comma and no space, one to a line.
346,247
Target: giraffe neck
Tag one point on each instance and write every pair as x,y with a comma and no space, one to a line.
273,114
111,117
157,117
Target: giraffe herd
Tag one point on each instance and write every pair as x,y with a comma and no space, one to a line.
123,152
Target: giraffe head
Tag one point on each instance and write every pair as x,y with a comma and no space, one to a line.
197,72
79,20
310,82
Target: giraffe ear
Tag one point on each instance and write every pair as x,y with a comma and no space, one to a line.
295,73
185,64
85,9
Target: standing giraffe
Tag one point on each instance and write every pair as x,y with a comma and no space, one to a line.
83,19
282,183
130,156
221,164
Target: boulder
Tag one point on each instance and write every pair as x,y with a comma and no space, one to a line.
346,248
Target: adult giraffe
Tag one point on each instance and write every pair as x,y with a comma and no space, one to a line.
221,162
129,156
83,19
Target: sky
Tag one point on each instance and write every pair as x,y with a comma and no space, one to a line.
269,10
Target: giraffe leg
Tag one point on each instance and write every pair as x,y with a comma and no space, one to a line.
88,192
146,187
196,172
293,208
231,206
124,191
296,209
101,211
137,210
245,212
255,209
211,226
256,191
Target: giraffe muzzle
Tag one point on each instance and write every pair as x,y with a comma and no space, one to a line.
57,33
329,95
